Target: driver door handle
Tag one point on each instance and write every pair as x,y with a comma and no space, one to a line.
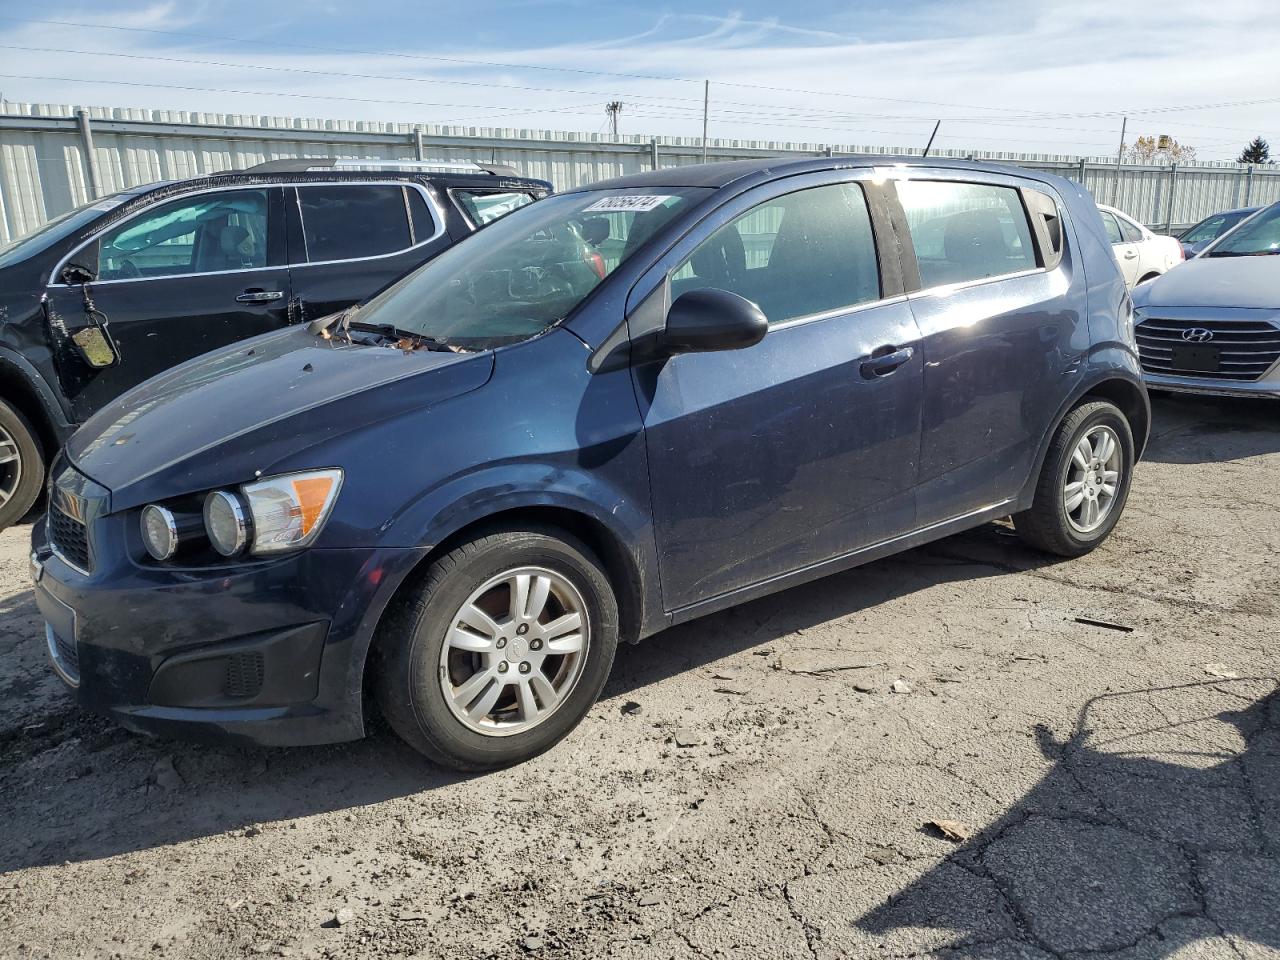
255,295
1130,254
885,360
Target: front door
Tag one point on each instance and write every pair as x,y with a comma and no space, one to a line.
803,447
177,280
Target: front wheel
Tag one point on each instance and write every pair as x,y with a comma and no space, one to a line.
501,650
1083,483
21,466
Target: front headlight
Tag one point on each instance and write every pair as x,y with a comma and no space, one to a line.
288,512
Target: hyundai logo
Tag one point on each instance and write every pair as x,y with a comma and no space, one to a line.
1197,335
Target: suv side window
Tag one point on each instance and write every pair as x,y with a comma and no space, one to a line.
804,253
207,233
1113,227
966,231
350,221
485,207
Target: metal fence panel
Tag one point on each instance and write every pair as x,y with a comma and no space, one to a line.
43,168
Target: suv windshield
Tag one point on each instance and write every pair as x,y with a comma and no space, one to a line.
526,271
1256,237
57,228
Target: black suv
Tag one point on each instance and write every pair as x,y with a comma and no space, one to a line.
114,292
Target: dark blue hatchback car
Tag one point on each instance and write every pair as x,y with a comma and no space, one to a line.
614,410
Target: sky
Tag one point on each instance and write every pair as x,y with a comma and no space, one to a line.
1016,75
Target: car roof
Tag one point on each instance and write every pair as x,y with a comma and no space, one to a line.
731,171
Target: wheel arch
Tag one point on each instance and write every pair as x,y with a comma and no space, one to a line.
1118,388
21,388
621,567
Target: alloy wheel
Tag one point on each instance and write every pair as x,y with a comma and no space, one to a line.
1093,479
514,651
10,466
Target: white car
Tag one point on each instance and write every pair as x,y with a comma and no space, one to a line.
1142,255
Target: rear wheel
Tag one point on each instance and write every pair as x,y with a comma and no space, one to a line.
21,466
501,650
1083,484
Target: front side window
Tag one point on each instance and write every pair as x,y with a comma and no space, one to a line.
1256,237
805,253
351,221
482,208
966,231
207,233
527,271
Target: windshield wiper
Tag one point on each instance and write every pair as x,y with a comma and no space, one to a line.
1244,253
321,324
390,331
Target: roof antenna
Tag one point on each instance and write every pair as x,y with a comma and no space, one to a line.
928,145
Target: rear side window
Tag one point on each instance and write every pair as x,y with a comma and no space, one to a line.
805,253
1129,231
206,233
346,222
1113,227
485,207
966,231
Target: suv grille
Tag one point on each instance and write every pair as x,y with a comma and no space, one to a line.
1247,349
69,536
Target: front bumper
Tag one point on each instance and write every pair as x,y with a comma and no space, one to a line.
1267,387
268,652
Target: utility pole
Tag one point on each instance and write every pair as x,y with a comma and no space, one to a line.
929,145
613,108
706,111
1115,186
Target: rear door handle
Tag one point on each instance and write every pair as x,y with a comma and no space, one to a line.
1130,254
254,295
885,360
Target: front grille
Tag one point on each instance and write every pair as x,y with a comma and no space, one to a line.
244,675
1247,349
69,536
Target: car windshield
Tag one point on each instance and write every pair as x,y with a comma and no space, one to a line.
1211,227
1258,236
526,271
61,226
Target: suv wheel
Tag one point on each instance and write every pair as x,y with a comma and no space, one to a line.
500,651
1083,484
21,466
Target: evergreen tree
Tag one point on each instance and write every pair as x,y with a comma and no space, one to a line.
1258,151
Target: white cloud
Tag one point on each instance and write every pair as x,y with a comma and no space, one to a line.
994,59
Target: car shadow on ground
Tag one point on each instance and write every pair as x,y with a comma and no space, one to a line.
1157,827
1190,429
81,788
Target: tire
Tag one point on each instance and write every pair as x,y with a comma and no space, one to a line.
1049,525
417,654
22,473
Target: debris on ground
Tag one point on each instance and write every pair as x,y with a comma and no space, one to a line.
685,737
1221,671
166,775
1105,624
900,686
631,708
953,830
343,917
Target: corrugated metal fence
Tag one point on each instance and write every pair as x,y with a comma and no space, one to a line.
56,157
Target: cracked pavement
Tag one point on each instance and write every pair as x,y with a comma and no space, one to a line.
1122,789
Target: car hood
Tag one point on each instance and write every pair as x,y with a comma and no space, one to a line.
1216,282
228,415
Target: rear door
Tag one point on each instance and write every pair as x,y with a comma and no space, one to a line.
803,447
348,241
174,280
1001,311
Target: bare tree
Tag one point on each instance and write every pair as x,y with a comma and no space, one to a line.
1159,150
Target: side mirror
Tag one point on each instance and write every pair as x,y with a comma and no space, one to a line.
710,319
